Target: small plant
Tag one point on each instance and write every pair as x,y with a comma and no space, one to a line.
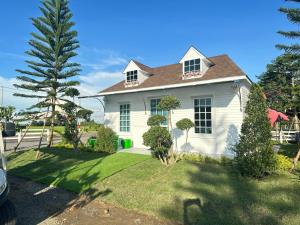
193,157
283,163
106,140
185,125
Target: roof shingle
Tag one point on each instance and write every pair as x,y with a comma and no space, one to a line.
172,74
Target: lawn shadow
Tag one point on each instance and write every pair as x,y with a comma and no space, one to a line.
216,194
36,202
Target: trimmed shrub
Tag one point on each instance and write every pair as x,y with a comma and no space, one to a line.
160,141
283,163
254,154
156,120
193,157
106,140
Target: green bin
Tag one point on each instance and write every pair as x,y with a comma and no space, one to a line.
127,143
92,142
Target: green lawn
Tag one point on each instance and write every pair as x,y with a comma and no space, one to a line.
193,193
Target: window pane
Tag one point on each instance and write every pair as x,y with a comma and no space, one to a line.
208,101
202,121
192,62
192,68
197,67
197,61
186,69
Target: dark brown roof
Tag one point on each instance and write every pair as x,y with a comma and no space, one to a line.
171,74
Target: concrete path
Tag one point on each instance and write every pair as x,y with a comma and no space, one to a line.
142,151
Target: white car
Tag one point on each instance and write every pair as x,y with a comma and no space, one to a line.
7,210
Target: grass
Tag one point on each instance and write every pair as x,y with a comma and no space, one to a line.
192,193
73,171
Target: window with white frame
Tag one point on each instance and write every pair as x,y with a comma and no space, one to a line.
125,117
131,76
192,65
155,111
203,115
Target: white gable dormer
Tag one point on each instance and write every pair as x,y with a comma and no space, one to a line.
194,64
134,74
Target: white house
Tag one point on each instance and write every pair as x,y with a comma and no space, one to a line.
212,91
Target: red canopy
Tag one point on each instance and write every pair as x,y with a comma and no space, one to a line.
275,115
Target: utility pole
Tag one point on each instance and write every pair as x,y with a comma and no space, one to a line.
1,95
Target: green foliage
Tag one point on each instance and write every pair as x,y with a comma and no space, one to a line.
159,139
277,84
168,103
193,157
73,113
106,140
50,62
283,162
156,120
293,15
254,153
185,124
7,113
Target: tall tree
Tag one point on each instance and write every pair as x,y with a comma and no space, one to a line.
254,153
277,82
293,15
52,49
292,52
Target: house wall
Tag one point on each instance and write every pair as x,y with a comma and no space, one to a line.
226,117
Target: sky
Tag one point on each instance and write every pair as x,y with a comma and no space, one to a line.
153,32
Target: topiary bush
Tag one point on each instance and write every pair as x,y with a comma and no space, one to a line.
254,154
159,140
156,120
283,163
107,140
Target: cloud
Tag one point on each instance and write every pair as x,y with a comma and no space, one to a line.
8,91
98,76
12,55
100,59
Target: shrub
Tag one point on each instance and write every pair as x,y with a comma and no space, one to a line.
106,140
159,140
283,162
185,125
156,120
194,157
254,153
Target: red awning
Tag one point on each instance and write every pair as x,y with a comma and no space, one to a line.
276,116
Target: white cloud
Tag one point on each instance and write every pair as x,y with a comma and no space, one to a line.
8,91
97,77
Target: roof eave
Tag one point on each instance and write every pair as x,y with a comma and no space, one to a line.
211,81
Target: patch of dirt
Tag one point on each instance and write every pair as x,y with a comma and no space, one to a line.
39,204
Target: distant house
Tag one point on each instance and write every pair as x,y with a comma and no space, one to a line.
212,90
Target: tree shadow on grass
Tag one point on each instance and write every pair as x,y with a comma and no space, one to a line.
218,195
42,171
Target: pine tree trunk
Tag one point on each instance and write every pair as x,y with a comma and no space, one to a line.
50,142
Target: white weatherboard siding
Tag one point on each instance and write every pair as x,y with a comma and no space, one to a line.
226,116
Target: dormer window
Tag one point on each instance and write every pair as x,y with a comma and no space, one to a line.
192,66
131,76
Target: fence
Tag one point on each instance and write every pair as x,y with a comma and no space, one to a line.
282,136
31,134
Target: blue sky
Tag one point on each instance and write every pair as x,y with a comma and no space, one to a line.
153,32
